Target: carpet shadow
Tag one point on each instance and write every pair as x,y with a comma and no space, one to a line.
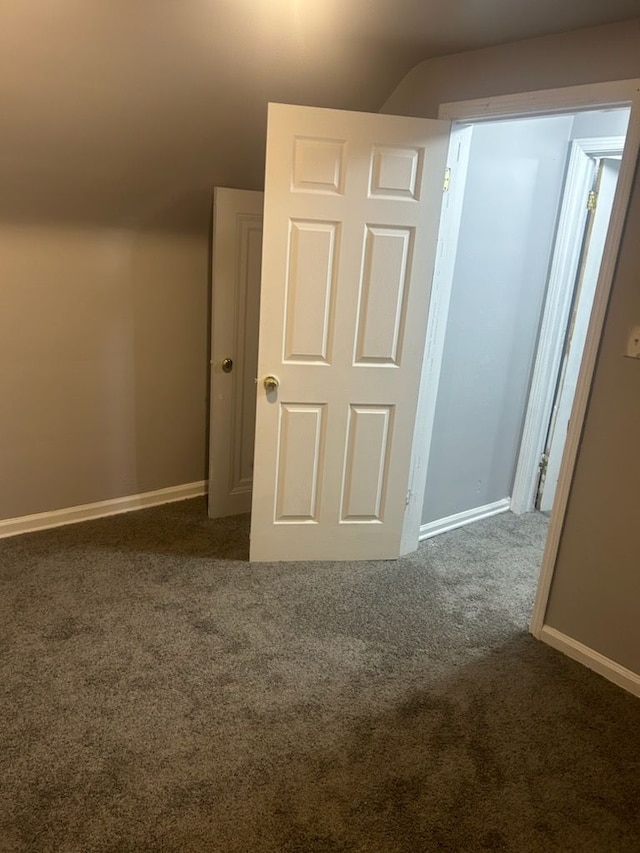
181,530
524,751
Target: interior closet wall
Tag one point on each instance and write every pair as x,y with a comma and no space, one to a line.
513,190
600,123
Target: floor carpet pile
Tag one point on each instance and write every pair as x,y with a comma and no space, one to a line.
158,693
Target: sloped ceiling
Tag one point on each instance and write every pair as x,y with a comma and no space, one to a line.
117,111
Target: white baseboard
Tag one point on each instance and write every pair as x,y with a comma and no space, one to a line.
442,525
100,509
611,670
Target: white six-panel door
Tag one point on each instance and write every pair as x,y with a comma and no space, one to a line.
352,205
237,248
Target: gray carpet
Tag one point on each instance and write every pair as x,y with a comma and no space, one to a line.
160,694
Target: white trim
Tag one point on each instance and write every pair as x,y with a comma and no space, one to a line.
601,146
450,217
100,509
606,667
560,290
610,94
460,519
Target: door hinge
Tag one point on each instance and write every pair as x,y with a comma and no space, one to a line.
447,180
592,200
406,503
544,463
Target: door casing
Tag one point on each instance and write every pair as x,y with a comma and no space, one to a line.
564,269
578,324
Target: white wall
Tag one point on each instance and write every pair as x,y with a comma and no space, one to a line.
513,189
600,123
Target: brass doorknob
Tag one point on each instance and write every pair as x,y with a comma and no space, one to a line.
271,383
227,365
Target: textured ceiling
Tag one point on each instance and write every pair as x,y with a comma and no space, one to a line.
115,110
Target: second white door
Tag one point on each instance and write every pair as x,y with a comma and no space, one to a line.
237,248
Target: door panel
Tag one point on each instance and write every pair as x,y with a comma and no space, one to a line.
300,453
366,462
381,306
352,205
237,249
312,265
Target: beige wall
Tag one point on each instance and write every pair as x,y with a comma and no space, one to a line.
115,125
595,597
569,59
103,355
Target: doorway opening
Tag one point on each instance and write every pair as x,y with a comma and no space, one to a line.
595,248
532,219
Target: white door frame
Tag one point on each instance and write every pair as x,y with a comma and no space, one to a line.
557,308
441,287
605,183
624,93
